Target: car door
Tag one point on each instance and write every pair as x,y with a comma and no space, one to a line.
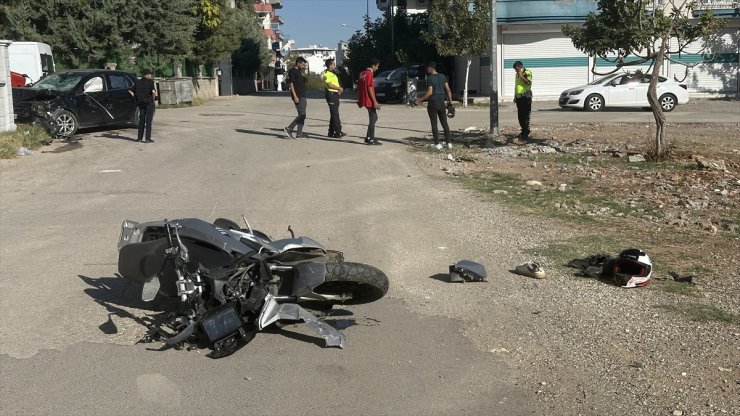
622,91
90,100
122,103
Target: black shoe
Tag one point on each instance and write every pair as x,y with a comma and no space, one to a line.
374,143
149,141
301,136
340,135
139,140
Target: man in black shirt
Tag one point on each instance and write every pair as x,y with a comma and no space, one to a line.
145,94
297,87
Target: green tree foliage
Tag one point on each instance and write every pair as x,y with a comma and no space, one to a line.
634,32
209,12
89,33
239,32
460,28
375,42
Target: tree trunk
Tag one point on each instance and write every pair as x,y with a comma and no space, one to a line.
467,73
660,148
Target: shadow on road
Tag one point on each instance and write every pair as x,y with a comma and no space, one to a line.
112,292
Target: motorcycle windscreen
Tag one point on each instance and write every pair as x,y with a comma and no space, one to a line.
142,261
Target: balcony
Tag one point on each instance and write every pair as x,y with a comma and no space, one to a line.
720,8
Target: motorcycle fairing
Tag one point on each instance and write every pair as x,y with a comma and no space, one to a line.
309,276
188,228
142,261
273,311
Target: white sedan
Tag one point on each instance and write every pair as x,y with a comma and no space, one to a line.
624,90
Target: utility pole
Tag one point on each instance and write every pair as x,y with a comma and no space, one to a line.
494,73
393,43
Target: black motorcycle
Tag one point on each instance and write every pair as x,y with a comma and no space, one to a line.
231,282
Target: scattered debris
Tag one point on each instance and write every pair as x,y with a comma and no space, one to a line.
597,265
703,163
23,151
530,269
682,279
636,158
467,271
533,183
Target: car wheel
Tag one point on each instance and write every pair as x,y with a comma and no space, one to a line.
668,102
66,122
135,118
594,102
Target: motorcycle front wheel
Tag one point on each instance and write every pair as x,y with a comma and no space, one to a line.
364,283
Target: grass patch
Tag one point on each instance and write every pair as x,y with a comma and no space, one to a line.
30,137
702,313
670,286
563,251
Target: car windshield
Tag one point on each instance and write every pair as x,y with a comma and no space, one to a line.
397,74
383,74
604,79
59,82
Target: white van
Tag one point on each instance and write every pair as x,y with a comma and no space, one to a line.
33,59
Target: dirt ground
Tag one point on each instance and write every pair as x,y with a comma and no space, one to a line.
593,176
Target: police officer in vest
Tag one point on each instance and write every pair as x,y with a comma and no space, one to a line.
332,92
523,97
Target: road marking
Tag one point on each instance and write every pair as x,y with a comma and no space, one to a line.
110,171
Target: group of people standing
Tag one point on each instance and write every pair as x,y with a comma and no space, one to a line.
438,90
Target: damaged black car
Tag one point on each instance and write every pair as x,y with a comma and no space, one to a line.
63,102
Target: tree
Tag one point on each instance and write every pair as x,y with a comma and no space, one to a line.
460,28
635,32
375,42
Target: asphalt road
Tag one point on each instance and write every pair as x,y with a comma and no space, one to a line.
68,324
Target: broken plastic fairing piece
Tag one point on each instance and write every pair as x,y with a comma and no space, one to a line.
467,271
273,311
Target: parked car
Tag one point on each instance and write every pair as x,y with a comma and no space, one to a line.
380,77
624,90
78,98
393,87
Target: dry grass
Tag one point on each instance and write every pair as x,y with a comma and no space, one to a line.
30,137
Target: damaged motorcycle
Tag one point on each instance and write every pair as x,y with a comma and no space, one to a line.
231,282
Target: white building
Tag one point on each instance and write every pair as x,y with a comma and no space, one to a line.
530,31
315,56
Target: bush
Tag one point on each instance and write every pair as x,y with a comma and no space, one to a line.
314,82
30,137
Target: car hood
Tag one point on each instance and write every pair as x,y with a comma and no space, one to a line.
580,87
34,94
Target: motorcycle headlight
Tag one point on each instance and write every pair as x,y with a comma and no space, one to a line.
576,92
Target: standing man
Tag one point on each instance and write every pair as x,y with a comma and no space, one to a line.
366,98
437,90
523,97
297,87
145,94
332,91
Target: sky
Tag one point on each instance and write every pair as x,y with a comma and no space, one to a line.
319,22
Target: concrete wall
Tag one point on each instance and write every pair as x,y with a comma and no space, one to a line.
6,91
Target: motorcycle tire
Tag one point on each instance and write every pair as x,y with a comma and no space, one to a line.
365,283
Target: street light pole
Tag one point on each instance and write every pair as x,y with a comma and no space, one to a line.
494,71
393,43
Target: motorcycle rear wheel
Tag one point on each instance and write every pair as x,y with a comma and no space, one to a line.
364,282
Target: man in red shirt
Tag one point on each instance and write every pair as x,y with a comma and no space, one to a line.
366,98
